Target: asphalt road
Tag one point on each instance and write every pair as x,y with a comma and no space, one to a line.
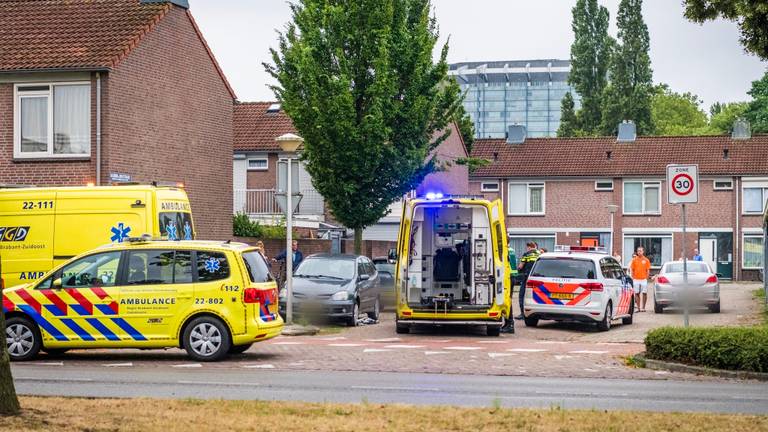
382,387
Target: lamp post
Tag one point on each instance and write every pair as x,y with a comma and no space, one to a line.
612,209
289,143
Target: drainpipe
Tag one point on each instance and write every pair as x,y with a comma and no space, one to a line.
98,129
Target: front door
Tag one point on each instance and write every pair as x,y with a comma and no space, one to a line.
708,251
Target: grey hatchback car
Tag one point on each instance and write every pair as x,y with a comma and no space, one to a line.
335,287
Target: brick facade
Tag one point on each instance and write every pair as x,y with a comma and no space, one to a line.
264,179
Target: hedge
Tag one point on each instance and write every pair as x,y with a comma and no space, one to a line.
730,348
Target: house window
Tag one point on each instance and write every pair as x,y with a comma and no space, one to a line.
642,197
517,242
526,199
604,185
489,187
658,248
723,184
52,120
755,197
258,164
752,252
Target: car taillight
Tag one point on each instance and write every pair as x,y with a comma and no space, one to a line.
712,279
255,295
533,283
592,286
662,279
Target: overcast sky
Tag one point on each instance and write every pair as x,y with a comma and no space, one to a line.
704,59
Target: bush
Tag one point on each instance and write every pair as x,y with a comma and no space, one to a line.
731,348
243,226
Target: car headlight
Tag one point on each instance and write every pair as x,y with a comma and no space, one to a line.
341,295
283,292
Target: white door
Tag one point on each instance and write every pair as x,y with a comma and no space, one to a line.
708,251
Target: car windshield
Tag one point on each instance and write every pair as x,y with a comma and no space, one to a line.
383,267
177,226
326,267
564,268
693,267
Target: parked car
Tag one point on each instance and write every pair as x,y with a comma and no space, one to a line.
335,287
386,269
703,286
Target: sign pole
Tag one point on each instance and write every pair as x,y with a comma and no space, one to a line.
685,275
289,247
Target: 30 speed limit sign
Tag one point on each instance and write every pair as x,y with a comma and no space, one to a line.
682,184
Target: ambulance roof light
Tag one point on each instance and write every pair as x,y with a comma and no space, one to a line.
434,195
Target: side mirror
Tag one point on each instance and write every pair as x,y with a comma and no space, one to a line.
364,277
56,283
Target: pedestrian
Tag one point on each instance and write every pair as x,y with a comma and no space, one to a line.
260,248
298,257
526,263
617,257
509,324
640,269
697,256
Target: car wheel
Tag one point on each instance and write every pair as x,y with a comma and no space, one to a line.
715,308
402,329
353,320
374,315
605,324
239,349
207,339
628,320
493,330
531,321
22,338
657,308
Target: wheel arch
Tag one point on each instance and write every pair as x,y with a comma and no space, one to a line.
192,317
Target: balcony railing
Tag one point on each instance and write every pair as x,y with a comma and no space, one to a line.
263,202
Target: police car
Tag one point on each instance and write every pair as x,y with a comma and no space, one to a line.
578,284
209,298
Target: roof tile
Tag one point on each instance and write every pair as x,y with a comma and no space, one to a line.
255,129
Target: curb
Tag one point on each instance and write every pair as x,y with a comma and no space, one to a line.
700,370
298,330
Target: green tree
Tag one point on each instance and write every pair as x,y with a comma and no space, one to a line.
466,127
751,16
724,114
358,79
678,113
628,96
590,58
757,110
568,122
9,403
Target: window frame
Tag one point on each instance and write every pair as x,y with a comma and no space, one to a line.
48,154
127,257
754,185
483,187
528,186
727,188
744,237
645,185
604,189
257,158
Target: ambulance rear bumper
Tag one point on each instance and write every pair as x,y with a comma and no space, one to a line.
450,322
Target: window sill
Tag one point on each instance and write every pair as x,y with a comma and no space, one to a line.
85,158
641,214
525,214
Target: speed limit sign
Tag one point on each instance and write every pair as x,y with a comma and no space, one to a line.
682,184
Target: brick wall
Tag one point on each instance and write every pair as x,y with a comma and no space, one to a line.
168,117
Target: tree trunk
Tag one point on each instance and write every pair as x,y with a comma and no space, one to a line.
358,241
9,403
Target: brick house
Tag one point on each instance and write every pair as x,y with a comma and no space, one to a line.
97,90
257,124
556,191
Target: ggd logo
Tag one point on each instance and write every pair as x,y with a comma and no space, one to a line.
10,234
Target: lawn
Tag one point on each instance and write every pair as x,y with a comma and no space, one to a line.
74,414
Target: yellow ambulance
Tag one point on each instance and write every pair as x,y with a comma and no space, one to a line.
451,264
43,227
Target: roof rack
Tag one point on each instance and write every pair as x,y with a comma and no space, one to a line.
567,248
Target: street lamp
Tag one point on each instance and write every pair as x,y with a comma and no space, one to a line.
612,209
289,143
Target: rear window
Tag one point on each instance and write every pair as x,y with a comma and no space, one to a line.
693,267
177,226
257,267
564,268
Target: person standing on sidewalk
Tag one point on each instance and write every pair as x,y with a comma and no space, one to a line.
640,269
509,325
526,263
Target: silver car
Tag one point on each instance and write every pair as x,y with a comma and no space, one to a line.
703,286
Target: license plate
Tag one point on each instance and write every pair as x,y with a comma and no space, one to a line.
562,296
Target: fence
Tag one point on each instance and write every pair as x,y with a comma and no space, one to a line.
264,202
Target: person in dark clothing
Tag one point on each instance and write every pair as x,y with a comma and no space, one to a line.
298,257
525,266
509,324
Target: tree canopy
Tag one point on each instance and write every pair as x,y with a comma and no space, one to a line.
722,116
757,110
358,79
750,15
678,113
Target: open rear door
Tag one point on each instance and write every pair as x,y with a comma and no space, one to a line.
500,253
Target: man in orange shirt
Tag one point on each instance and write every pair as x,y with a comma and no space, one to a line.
640,269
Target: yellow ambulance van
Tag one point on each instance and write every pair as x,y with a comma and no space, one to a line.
41,228
451,264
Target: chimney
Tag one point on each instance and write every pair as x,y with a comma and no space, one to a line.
627,131
181,3
741,130
516,134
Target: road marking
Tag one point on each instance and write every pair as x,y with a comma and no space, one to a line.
527,350
217,383
587,352
333,338
288,343
551,342
562,357
497,354
403,346
492,342
300,363
435,352
590,370
346,344
258,366
414,389
392,339
118,365
661,372
441,340
188,365
463,348
46,364
375,350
